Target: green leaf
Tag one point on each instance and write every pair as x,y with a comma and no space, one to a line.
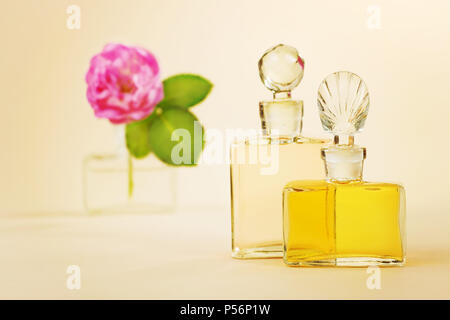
136,135
181,91
176,137
185,90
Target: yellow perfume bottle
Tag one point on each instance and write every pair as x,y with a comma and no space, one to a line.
343,220
262,165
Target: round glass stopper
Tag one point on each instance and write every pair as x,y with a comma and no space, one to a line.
281,68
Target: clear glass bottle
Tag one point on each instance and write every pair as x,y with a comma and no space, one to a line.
262,165
343,220
118,183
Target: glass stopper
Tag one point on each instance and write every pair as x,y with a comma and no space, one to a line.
281,68
343,102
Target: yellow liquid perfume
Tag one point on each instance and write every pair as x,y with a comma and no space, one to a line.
262,165
343,220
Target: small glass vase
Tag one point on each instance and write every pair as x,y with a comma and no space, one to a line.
118,183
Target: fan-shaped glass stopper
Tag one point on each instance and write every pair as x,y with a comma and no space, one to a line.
281,68
343,102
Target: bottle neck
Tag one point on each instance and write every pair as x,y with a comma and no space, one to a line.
281,117
344,162
281,95
344,139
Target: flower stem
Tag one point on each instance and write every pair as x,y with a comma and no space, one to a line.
130,176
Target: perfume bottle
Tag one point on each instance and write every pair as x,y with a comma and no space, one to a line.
262,165
343,220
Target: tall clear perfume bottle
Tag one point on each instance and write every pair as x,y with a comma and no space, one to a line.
343,220
262,165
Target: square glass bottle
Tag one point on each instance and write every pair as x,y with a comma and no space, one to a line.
261,166
118,183
344,220
106,184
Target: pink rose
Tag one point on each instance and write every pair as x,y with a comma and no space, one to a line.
123,83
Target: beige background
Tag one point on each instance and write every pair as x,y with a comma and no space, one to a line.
48,126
